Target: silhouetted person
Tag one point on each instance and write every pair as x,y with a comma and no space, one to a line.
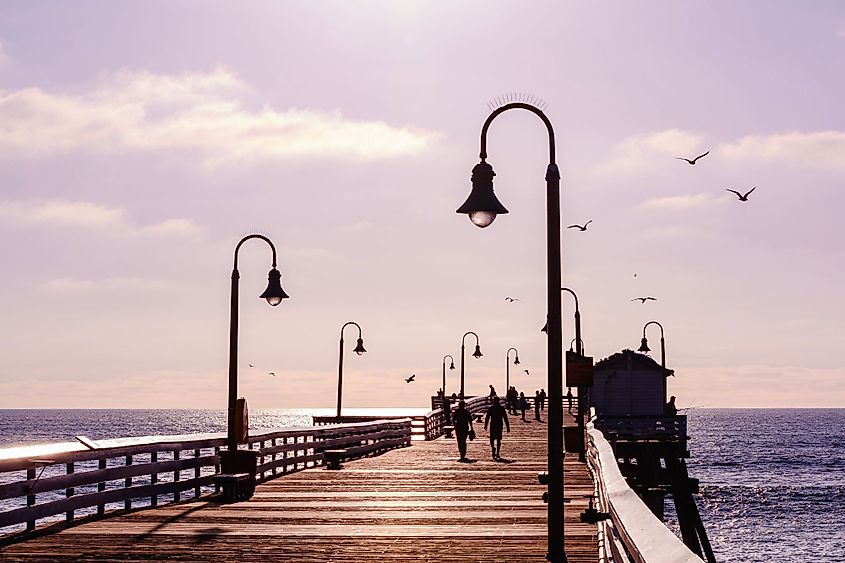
512,398
569,398
447,409
463,424
670,409
542,399
523,405
496,417
537,405
492,391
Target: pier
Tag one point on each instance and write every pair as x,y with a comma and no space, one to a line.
393,499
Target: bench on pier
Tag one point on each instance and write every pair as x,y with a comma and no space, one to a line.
334,458
447,430
235,486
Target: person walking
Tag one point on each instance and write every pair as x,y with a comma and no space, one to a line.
523,405
537,406
569,398
463,427
496,418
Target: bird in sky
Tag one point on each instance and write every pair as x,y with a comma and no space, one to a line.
271,373
410,379
644,299
694,160
526,372
252,366
582,228
511,299
635,275
742,197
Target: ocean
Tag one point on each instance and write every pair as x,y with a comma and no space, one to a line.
772,480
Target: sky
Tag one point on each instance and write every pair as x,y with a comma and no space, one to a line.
139,141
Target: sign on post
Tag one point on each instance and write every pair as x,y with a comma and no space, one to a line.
579,370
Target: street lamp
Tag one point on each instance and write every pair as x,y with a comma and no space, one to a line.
359,349
644,348
579,343
482,207
274,295
477,354
451,366
508,366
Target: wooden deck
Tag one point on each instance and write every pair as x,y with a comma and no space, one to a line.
412,504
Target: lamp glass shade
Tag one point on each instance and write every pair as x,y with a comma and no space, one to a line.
477,354
274,292
482,205
516,361
359,349
644,346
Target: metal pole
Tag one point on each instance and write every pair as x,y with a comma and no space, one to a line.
340,374
463,350
507,374
231,439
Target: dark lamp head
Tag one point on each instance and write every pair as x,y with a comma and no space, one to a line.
359,349
644,346
516,361
477,354
482,206
452,365
274,292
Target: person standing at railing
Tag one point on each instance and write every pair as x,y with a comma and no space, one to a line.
463,428
543,399
569,398
537,406
447,409
523,405
496,418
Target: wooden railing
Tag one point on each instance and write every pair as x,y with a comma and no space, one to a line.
85,478
633,532
662,427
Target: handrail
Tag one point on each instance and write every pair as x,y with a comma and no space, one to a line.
74,479
633,532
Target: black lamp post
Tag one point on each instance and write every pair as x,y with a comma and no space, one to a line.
644,348
482,206
359,349
451,366
508,366
274,295
579,343
477,354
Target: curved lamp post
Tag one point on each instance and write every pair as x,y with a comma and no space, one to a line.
508,366
572,344
359,349
477,354
579,343
482,207
274,295
644,348
451,366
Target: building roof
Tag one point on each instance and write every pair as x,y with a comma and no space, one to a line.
621,360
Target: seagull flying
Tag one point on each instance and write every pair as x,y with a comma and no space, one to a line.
742,197
694,160
511,299
526,372
580,227
644,299
252,366
271,373
410,379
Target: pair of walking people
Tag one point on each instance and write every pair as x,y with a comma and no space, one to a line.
496,419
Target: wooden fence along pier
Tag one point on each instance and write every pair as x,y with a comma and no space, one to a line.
399,496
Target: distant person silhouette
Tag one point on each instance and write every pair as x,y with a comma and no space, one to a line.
670,409
569,398
496,417
512,398
523,405
537,406
542,399
447,409
463,424
492,391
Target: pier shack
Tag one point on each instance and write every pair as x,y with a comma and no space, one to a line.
393,499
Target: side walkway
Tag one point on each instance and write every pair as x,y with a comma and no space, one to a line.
413,504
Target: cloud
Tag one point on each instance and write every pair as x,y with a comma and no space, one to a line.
202,112
120,284
814,149
89,215
682,202
639,151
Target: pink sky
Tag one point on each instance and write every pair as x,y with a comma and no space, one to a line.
140,141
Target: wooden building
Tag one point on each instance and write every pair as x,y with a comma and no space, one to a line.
628,384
